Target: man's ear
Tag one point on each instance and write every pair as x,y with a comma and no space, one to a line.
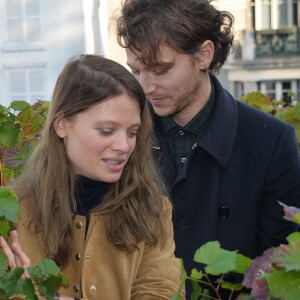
60,127
207,51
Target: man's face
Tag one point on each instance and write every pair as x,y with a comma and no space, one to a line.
173,91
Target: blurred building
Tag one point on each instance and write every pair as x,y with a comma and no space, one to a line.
267,48
38,36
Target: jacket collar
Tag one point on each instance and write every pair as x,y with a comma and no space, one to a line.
219,136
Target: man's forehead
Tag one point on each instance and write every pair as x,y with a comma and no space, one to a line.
164,57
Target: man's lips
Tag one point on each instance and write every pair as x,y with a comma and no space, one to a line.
156,100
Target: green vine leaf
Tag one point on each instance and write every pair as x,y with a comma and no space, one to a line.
217,260
48,277
3,263
44,269
196,274
26,288
288,256
4,227
48,287
19,105
284,285
9,206
197,290
9,134
294,237
242,263
9,283
231,286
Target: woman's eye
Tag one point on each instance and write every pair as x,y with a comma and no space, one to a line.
133,133
105,131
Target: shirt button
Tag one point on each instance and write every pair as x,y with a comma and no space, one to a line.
223,212
180,132
183,160
79,225
76,288
77,256
93,288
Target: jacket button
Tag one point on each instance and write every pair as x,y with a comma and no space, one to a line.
77,256
76,288
183,160
88,256
79,225
223,212
93,288
180,132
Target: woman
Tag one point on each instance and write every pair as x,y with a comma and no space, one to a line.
90,194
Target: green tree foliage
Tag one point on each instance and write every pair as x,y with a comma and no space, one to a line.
21,125
274,275
45,278
279,109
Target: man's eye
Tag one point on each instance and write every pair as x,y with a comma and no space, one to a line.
135,72
160,72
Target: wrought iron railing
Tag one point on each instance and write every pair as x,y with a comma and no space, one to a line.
274,43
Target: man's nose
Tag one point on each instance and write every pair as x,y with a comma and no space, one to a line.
147,82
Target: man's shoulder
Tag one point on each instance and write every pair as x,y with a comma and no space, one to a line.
258,117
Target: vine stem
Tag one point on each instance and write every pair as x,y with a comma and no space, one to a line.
207,283
1,175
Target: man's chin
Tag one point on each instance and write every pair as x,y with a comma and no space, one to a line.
161,112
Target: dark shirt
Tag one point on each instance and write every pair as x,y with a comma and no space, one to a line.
90,194
183,139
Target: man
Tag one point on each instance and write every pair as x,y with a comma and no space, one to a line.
226,164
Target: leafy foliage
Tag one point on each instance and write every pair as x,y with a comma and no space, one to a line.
286,111
45,278
21,125
291,116
260,101
274,275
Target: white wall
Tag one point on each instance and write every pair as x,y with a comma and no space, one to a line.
63,36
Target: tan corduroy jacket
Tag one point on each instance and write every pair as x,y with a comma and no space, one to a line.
100,271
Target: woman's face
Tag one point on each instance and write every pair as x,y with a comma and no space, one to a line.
100,139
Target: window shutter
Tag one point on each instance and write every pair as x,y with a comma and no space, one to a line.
36,85
18,85
14,8
27,84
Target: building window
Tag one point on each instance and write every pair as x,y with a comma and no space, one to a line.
268,88
23,22
286,90
266,13
281,90
26,84
238,89
275,14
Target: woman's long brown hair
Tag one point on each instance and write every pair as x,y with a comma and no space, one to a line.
133,207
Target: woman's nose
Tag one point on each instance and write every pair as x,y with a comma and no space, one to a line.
121,144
